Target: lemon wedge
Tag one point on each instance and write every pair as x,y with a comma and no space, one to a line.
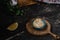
13,26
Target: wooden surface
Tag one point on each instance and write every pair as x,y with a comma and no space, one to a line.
25,2
31,30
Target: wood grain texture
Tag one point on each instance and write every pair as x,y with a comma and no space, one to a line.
25,2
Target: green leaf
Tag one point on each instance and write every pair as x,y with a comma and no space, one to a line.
18,12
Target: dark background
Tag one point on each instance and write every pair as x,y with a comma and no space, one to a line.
6,18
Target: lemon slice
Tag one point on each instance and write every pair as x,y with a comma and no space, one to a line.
13,26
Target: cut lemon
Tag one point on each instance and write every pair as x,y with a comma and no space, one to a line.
13,26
